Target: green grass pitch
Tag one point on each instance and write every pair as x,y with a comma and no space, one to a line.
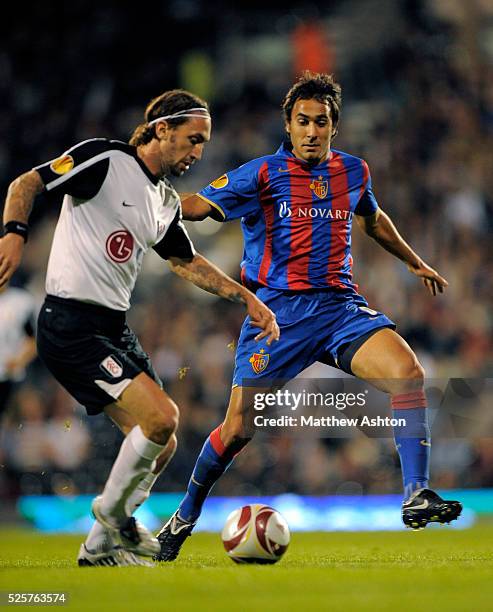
434,569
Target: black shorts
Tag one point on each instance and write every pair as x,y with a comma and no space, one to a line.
90,350
6,388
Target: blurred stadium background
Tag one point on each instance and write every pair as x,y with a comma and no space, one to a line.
417,81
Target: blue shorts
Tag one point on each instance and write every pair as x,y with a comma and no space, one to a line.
315,326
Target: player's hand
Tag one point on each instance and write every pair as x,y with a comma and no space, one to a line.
262,317
11,247
431,279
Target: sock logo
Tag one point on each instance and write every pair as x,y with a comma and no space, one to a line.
370,311
196,482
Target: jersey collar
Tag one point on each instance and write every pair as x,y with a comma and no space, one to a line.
133,152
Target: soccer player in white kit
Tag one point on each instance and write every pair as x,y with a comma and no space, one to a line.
117,204
17,343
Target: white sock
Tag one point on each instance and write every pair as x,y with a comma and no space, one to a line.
100,539
135,461
141,493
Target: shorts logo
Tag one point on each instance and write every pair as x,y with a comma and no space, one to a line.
370,311
111,366
259,361
120,246
63,164
320,187
220,182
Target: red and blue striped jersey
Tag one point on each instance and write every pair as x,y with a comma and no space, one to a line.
296,218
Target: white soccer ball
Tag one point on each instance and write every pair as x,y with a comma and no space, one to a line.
255,534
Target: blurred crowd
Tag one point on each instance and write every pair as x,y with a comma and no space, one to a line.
417,105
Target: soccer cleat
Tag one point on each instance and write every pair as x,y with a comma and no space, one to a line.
172,536
425,506
138,539
133,536
114,557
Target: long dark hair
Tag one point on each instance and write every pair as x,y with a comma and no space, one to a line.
168,103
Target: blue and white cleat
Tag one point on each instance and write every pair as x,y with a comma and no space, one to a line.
172,536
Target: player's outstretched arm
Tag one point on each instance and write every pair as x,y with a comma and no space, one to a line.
18,206
195,208
202,273
380,227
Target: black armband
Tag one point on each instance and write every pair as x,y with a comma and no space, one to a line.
17,227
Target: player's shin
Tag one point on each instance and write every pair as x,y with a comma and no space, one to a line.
412,439
135,461
213,461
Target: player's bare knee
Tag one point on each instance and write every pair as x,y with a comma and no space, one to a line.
163,423
159,432
410,374
413,371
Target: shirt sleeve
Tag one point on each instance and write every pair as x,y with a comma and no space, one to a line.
80,171
234,194
176,241
367,204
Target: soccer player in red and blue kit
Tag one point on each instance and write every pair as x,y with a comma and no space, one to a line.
296,209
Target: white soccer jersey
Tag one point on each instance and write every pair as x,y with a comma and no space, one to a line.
113,211
17,310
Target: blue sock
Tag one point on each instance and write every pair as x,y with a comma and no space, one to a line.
213,461
412,440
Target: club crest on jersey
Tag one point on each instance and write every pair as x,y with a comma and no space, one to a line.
63,164
120,246
259,361
320,187
220,182
111,366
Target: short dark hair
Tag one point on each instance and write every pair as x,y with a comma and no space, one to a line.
318,86
168,103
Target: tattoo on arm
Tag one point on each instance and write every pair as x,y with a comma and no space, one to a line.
20,196
207,276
